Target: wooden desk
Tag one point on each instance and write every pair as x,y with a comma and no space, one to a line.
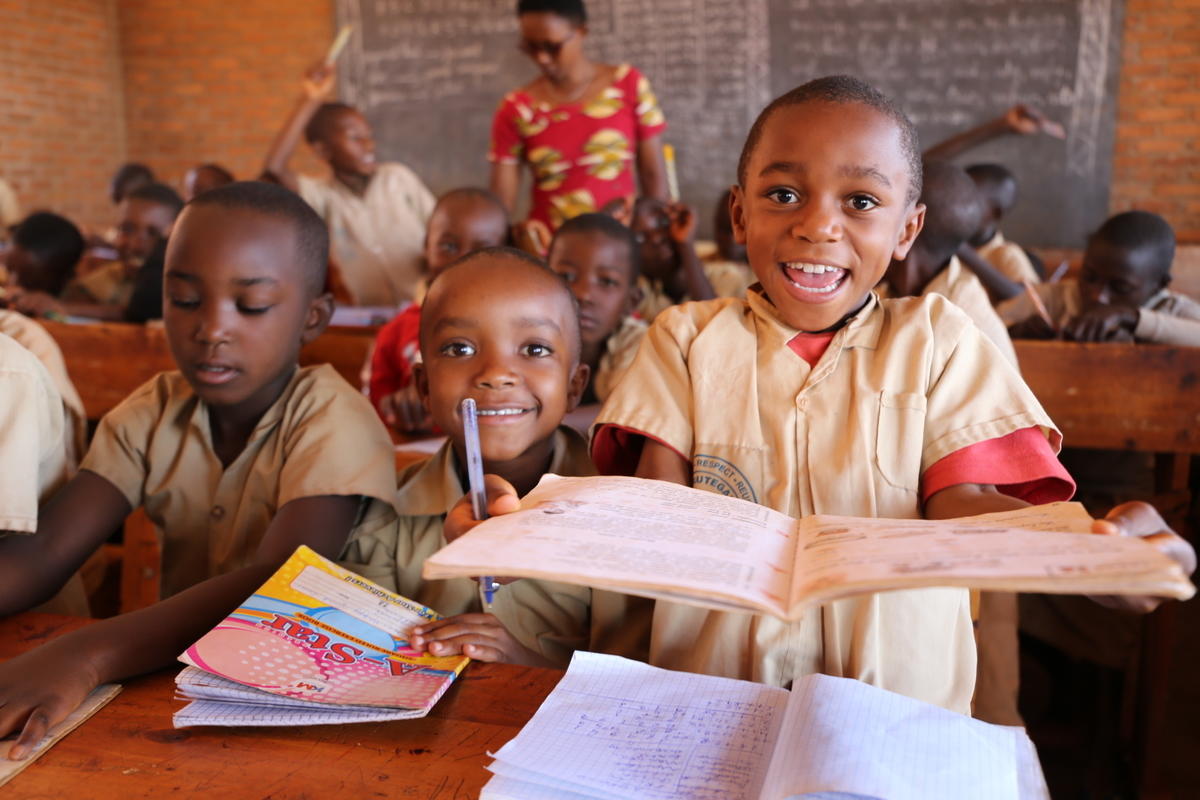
129,750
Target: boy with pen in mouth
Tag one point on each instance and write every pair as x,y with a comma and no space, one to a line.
501,329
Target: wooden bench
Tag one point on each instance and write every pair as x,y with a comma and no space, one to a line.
107,361
1130,397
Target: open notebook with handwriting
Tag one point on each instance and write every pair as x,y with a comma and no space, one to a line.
615,728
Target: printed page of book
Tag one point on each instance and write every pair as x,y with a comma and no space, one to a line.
843,735
616,728
637,536
97,699
1044,548
317,632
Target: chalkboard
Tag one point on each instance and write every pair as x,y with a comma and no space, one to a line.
430,73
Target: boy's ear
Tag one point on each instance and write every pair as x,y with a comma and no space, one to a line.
320,311
912,229
577,384
737,211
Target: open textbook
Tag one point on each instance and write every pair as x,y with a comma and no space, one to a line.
619,729
316,644
663,540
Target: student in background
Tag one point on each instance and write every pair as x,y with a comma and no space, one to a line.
598,258
588,131
238,458
376,213
725,265
463,221
998,186
128,177
500,328
205,177
953,210
147,215
1121,294
672,273
42,256
824,400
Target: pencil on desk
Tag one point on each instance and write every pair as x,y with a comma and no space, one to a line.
672,177
1039,306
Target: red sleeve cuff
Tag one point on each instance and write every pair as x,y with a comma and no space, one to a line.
1021,465
616,450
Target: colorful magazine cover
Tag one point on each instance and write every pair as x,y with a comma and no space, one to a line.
317,632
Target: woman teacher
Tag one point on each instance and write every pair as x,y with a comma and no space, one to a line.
583,128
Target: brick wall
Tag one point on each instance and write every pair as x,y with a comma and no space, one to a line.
211,80
61,121
1156,163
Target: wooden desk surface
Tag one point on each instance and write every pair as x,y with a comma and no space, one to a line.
129,749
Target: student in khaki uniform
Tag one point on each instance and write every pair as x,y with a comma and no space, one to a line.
500,328
240,456
376,213
34,338
813,396
671,271
953,210
598,258
1121,294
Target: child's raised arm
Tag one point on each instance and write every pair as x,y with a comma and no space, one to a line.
317,85
41,687
1022,119
998,285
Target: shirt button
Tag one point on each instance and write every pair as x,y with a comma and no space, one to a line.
217,512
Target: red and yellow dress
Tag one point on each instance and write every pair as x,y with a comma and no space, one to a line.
582,155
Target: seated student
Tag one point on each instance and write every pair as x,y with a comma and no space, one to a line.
953,209
1121,294
998,186
128,177
147,215
205,177
33,442
598,258
826,400
376,213
725,266
497,326
671,271
463,221
44,251
238,458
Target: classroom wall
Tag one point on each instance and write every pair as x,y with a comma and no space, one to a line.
211,80
1156,163
62,127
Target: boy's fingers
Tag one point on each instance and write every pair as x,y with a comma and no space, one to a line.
481,652
441,623
502,497
34,732
1137,519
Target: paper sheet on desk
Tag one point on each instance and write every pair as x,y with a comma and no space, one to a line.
615,728
95,701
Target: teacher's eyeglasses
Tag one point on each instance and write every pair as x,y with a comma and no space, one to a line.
552,49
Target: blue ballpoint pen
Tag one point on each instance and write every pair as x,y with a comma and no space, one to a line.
487,586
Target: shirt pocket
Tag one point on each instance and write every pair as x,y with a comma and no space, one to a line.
899,438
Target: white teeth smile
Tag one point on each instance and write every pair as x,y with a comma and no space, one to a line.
501,412
814,269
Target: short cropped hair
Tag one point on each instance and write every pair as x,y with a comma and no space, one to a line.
1138,230
55,243
954,209
609,226
998,184
572,11
476,193
323,119
511,253
159,194
842,89
223,175
269,199
128,177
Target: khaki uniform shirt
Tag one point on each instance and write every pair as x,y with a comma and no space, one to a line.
377,239
109,284
320,437
727,278
905,383
619,350
961,286
32,433
34,338
547,617
1166,318
1009,259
